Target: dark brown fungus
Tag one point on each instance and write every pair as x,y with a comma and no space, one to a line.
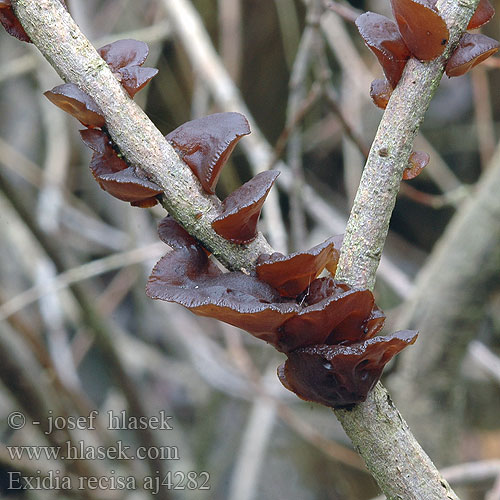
484,12
416,163
135,78
127,186
174,235
11,23
422,28
472,49
122,53
340,317
188,277
341,376
241,209
380,92
74,101
206,143
114,175
125,58
382,37
292,274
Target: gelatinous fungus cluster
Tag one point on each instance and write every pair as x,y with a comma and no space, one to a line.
111,171
327,329
287,305
421,32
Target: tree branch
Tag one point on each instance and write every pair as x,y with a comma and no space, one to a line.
379,433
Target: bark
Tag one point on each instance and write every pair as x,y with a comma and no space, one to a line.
378,431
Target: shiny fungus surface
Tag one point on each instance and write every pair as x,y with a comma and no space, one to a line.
484,12
126,185
341,375
125,58
114,175
382,37
380,92
205,144
473,48
422,28
416,163
240,213
77,103
11,23
339,317
292,274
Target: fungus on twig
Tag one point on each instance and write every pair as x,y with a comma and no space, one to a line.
382,37
292,274
472,49
422,28
206,143
125,58
237,221
339,375
77,103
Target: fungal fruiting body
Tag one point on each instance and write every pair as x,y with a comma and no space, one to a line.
421,32
114,175
382,37
417,162
240,212
111,171
125,58
327,316
472,49
77,103
205,144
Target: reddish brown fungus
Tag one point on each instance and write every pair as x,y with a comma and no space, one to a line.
11,23
114,175
74,101
241,209
337,318
484,12
382,37
416,163
206,143
422,28
127,186
472,49
125,58
380,92
292,274
341,376
123,53
330,311
136,78
188,277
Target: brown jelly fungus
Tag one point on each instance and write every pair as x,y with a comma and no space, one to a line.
484,12
382,37
380,92
292,274
422,28
77,103
241,209
114,175
205,144
341,375
472,49
417,162
125,58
